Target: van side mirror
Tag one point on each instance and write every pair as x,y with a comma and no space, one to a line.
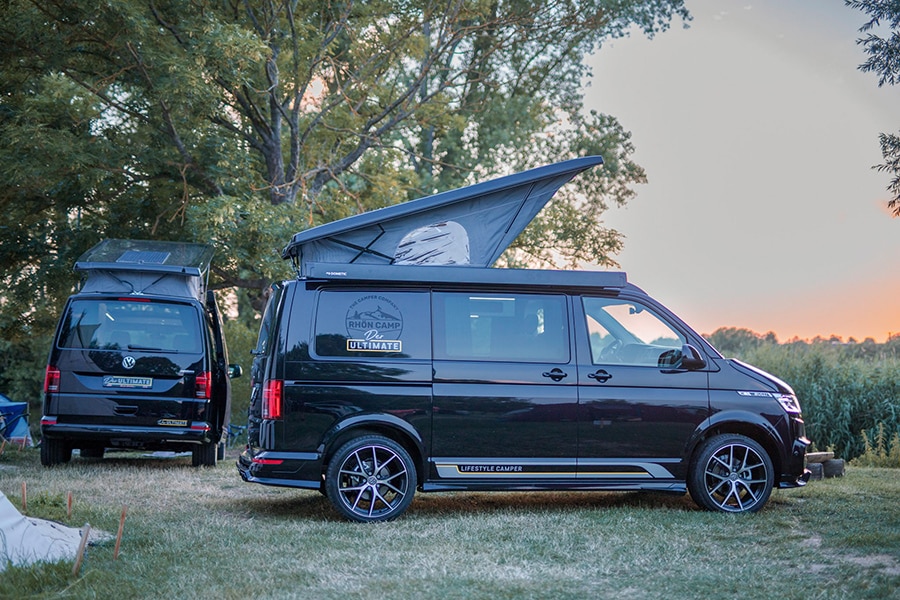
235,371
691,359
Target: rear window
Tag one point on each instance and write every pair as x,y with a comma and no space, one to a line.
123,324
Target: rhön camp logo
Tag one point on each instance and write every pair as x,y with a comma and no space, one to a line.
374,324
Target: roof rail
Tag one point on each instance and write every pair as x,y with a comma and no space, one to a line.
459,274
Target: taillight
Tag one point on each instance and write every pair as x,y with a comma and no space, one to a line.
51,380
273,393
203,385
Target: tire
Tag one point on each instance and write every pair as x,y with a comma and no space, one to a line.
204,455
731,473
54,452
92,452
371,478
833,468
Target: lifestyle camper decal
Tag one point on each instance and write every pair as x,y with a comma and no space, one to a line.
374,324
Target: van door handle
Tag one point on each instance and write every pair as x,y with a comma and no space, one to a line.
601,375
556,374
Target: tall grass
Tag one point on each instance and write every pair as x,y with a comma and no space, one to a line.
842,391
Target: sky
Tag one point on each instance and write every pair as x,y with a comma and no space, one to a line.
758,134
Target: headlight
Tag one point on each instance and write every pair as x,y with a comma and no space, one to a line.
789,403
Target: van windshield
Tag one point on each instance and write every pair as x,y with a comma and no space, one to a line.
123,324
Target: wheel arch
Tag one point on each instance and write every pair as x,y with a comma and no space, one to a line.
743,423
387,425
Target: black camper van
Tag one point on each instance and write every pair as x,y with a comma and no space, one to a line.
139,358
398,361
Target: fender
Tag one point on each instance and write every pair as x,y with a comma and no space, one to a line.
737,420
379,421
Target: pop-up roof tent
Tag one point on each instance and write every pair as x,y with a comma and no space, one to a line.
146,267
467,226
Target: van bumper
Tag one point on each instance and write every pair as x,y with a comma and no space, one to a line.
285,469
120,436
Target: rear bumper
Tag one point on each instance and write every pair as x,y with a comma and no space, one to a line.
285,469
129,436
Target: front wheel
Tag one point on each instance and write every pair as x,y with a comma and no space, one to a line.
731,473
371,478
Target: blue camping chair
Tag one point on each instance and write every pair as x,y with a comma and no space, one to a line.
13,419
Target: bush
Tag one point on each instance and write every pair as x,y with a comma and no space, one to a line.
843,391
879,451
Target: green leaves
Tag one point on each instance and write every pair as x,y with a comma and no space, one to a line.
241,123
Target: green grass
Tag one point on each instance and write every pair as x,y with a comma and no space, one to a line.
204,533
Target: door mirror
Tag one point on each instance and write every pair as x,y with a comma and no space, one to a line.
691,359
235,371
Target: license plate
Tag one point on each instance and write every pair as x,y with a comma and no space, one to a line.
112,381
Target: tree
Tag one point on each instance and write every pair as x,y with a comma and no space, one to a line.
240,122
884,60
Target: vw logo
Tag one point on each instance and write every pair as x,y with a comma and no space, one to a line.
128,362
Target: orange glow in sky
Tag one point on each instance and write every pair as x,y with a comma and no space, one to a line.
758,134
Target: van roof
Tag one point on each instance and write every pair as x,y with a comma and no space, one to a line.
471,225
146,267
147,255
466,275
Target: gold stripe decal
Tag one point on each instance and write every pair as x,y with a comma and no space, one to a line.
607,469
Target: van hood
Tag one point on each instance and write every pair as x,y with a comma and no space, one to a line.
758,373
469,226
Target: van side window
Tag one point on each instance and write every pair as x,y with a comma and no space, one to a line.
501,327
627,332
373,324
265,327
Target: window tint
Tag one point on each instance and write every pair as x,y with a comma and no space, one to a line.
501,327
131,325
630,333
265,329
373,324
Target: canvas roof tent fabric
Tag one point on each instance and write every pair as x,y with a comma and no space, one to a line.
470,226
146,267
25,540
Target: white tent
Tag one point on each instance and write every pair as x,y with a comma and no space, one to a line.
24,540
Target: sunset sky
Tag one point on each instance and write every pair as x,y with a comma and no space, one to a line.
758,134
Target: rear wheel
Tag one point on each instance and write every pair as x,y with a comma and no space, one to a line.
371,478
731,473
204,455
54,451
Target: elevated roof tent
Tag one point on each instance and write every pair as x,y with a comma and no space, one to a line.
465,275
469,226
146,267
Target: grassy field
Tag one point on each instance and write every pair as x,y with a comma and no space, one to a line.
203,533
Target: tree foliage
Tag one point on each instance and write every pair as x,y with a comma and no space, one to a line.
882,45
241,122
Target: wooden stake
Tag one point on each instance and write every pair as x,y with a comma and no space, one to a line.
121,530
69,505
24,498
2,446
79,557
